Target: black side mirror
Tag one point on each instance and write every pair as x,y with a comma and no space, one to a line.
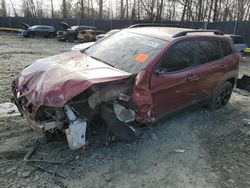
157,72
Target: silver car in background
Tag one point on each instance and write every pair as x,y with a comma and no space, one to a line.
85,45
239,43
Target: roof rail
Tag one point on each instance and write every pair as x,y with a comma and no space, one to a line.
154,25
183,33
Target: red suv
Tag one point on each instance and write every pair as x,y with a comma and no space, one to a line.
127,80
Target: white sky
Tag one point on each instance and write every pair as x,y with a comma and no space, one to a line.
46,4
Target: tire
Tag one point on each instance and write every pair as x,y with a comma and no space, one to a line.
70,38
222,96
31,35
50,35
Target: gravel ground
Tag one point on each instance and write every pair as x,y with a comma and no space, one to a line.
194,148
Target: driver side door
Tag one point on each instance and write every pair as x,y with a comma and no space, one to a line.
174,84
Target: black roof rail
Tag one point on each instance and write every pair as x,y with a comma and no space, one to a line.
183,33
153,25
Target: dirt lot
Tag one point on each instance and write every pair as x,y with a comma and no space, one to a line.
195,148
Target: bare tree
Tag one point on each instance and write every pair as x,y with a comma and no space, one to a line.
121,11
52,8
159,10
184,10
100,9
64,9
14,9
3,11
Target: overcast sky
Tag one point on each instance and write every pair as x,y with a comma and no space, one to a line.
46,4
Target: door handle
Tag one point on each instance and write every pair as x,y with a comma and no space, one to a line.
192,77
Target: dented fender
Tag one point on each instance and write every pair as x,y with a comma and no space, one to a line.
142,98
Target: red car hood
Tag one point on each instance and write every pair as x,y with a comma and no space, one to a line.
53,81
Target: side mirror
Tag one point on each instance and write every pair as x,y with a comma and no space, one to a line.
157,72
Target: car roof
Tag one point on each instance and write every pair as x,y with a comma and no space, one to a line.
170,33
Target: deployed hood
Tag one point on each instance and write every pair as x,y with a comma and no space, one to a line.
65,25
53,81
25,26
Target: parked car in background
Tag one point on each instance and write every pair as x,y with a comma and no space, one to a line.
247,51
70,33
88,35
85,45
239,43
126,82
100,36
37,30
82,46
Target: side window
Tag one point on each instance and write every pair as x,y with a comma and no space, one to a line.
208,50
226,48
179,57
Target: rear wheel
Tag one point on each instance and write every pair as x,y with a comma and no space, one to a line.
222,96
50,35
242,54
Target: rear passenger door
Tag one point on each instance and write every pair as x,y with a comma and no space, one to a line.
39,31
211,65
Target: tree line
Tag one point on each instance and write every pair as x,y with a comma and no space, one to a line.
150,10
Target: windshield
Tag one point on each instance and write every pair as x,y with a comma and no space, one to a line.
126,51
74,27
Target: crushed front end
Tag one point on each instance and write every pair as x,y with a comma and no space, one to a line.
72,103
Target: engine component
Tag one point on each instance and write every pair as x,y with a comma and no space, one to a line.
123,114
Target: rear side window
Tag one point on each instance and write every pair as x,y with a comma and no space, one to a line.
208,50
226,48
179,57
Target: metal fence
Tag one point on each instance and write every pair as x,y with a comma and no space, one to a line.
102,24
239,28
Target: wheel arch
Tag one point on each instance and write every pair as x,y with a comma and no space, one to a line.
31,32
232,79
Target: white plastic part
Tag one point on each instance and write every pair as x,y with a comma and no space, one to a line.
76,131
70,114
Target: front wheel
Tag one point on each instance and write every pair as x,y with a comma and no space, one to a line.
70,38
31,35
222,96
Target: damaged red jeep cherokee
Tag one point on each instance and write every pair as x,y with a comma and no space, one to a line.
127,80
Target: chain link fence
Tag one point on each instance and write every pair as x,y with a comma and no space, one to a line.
239,28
